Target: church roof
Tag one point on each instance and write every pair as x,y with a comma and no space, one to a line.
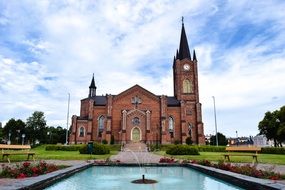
102,101
183,47
172,102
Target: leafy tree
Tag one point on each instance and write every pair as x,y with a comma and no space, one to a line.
55,135
273,126
1,133
222,140
36,127
16,128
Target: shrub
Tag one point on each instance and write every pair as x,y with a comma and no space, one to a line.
272,150
27,169
162,147
182,150
114,147
104,141
246,169
112,139
204,148
98,149
189,141
63,147
177,142
167,160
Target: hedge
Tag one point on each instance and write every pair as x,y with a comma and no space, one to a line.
182,150
63,147
272,150
114,147
207,148
98,149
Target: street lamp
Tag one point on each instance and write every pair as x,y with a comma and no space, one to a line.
217,143
9,139
237,138
23,138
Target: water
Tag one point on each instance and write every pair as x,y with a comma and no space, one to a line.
119,178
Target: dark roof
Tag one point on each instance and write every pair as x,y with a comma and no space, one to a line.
172,102
100,100
92,85
183,47
82,118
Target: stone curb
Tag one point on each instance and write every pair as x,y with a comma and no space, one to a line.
42,181
240,180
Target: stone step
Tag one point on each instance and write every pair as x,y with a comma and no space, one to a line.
136,147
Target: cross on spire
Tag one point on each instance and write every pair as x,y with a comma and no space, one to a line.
182,20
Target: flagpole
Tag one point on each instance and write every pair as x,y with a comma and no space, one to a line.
67,119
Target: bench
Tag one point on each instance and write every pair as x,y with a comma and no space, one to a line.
7,150
242,149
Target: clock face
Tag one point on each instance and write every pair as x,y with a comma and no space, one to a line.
186,67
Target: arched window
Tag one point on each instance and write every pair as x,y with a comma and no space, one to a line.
187,86
101,126
170,124
81,132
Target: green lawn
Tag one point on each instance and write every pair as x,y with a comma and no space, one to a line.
216,156
42,154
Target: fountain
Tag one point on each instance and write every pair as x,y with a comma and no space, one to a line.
143,180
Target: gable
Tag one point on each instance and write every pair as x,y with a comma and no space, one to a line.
136,90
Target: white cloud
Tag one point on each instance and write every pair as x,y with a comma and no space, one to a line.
52,48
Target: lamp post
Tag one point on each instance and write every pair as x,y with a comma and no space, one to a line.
9,137
237,137
23,138
217,143
276,125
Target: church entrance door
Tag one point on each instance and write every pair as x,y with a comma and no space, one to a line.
136,134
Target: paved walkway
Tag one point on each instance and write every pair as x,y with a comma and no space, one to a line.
129,156
136,153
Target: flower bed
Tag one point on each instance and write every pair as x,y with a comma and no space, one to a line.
167,160
28,169
241,169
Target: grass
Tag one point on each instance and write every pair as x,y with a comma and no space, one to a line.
42,154
216,156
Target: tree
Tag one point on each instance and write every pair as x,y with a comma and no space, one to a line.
15,128
222,140
273,126
56,135
36,127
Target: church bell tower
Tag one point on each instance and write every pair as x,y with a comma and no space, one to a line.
185,77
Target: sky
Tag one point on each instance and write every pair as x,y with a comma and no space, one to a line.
51,48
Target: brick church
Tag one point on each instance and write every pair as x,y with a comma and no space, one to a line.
138,115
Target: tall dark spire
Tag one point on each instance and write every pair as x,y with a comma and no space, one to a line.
194,56
92,88
183,47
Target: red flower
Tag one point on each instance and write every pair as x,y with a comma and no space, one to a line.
26,164
35,170
21,175
275,177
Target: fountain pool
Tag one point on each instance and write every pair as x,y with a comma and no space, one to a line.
120,178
